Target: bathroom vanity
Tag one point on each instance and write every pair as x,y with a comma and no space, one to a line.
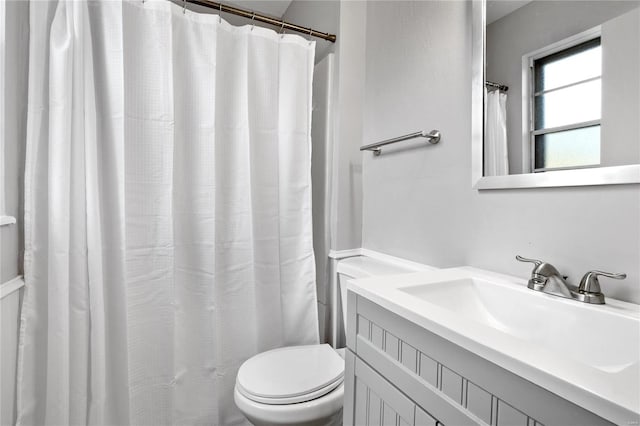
455,347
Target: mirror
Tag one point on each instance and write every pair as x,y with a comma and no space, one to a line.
556,93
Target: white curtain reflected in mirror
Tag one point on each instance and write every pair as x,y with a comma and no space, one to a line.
496,154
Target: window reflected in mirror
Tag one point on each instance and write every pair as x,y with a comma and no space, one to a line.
567,106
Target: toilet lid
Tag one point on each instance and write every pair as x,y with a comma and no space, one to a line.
292,374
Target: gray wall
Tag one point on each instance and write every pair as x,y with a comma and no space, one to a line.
532,27
621,89
322,15
418,201
348,127
346,19
11,237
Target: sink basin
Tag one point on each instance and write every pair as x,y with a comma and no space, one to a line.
587,354
600,338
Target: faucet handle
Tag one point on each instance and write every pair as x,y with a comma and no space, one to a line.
537,281
534,261
590,284
541,268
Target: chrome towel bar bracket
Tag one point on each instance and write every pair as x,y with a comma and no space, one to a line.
432,136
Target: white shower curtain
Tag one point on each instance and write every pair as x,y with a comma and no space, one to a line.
496,154
167,211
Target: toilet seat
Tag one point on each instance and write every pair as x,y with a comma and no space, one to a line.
291,375
307,413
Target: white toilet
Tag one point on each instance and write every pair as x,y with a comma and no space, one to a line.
303,385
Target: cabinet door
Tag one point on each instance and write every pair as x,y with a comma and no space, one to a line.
376,402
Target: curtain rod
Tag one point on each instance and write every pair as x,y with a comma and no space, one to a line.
263,18
497,85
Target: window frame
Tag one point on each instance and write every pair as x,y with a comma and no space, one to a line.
528,99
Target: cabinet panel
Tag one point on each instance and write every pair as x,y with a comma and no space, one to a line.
377,402
392,345
424,419
479,402
409,357
509,416
428,370
391,396
361,405
377,336
375,408
389,415
451,384
424,395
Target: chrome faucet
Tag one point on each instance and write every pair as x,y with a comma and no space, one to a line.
589,289
546,278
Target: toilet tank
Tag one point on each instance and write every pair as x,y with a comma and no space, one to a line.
370,265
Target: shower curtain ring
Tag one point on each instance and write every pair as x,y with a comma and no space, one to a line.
282,29
253,17
184,7
220,14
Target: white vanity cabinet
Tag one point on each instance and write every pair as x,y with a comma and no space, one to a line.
399,373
